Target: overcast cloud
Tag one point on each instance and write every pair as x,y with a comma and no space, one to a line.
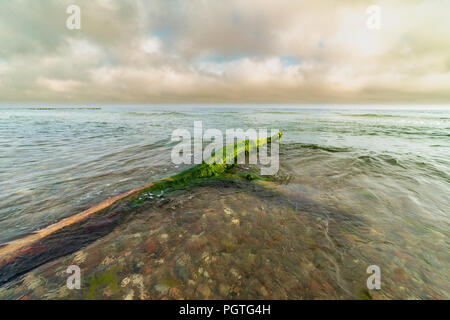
225,51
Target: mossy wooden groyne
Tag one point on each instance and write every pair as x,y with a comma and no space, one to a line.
22,255
215,166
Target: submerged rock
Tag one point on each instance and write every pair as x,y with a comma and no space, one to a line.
162,288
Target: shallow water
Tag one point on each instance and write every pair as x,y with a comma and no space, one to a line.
355,188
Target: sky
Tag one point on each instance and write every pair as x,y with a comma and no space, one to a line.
246,51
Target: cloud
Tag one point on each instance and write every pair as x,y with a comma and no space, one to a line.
225,51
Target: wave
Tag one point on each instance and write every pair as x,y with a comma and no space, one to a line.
381,115
51,109
372,115
318,147
282,112
411,167
380,160
154,114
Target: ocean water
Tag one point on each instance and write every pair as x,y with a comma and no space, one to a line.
367,186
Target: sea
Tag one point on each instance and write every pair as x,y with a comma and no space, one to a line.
375,178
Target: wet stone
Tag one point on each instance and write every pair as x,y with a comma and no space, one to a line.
206,248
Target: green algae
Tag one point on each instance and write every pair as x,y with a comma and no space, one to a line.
171,282
364,294
107,279
216,166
